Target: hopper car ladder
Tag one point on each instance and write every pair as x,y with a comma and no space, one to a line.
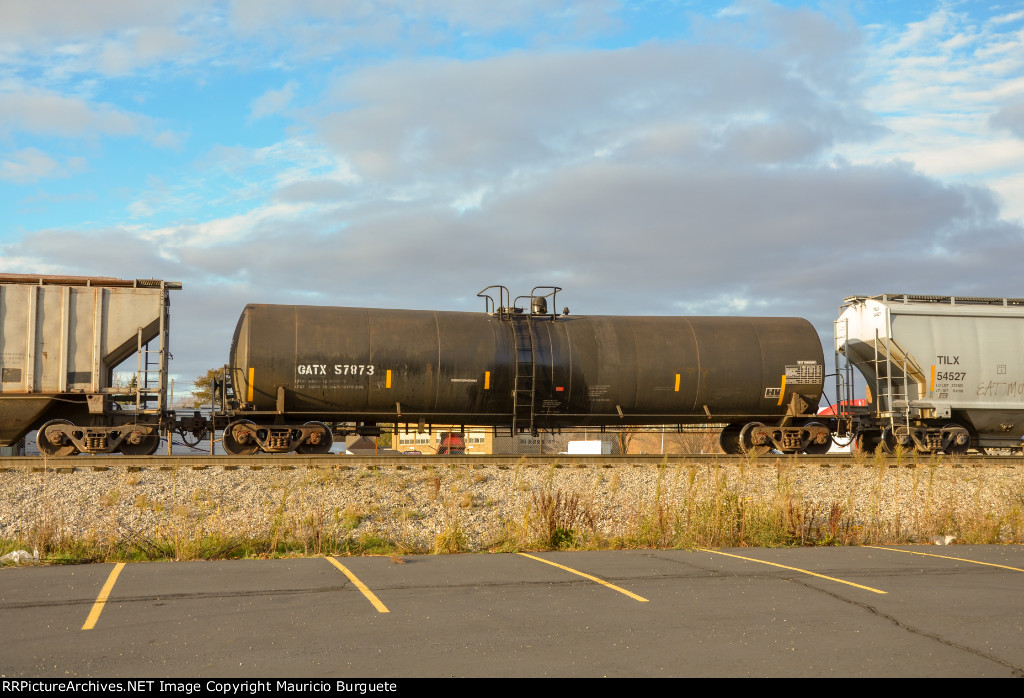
883,366
151,375
146,383
844,371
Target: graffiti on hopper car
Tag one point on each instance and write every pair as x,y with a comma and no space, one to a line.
1001,389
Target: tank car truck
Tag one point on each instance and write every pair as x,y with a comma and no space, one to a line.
61,338
943,373
519,366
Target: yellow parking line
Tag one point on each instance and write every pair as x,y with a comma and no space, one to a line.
101,600
795,569
947,557
359,585
587,576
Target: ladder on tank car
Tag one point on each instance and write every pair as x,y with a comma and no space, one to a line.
523,390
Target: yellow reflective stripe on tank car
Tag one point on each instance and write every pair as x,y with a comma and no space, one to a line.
487,380
677,382
252,379
782,389
387,380
931,386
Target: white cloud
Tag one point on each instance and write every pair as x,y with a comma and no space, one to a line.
433,119
42,112
272,102
58,40
28,165
221,231
55,41
427,21
31,165
1007,18
943,87
172,140
45,21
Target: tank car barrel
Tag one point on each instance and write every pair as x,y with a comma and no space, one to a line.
525,370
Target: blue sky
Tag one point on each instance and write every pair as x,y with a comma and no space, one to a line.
649,157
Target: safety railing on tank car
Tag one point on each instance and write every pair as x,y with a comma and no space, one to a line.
506,307
492,308
539,303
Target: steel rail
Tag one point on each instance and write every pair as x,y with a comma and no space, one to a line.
334,461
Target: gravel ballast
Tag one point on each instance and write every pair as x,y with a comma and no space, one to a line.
476,508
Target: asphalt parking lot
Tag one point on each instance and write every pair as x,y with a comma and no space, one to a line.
900,611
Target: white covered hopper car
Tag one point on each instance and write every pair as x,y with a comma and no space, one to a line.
943,373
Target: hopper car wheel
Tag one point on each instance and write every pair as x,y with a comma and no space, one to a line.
888,441
729,439
239,441
814,448
747,440
147,445
954,448
52,443
324,442
866,442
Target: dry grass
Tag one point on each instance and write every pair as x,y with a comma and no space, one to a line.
754,501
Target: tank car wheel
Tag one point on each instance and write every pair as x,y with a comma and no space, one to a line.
325,439
239,439
52,442
146,446
954,448
729,439
747,440
814,448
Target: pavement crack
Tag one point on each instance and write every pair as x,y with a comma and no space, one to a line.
176,596
1017,671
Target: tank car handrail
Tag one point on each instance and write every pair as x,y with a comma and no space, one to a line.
503,300
553,295
540,310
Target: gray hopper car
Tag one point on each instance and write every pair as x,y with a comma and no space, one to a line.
60,340
943,373
296,368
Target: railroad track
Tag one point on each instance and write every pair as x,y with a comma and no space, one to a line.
84,463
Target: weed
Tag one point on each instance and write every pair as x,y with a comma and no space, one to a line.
452,539
278,520
559,518
900,453
880,456
434,487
